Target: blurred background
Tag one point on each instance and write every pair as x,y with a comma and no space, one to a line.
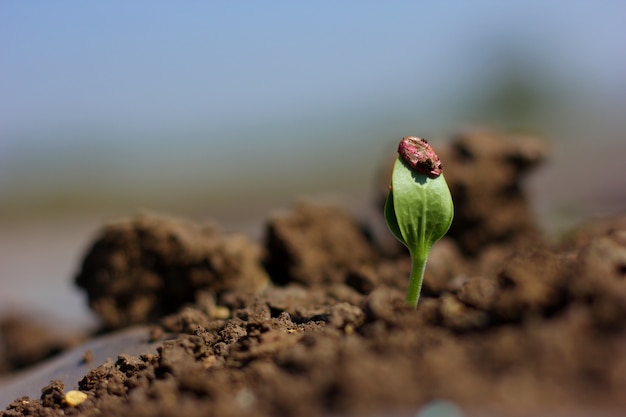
226,111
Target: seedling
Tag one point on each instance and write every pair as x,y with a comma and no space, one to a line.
419,206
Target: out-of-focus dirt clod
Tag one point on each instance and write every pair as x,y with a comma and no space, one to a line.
315,244
142,268
484,170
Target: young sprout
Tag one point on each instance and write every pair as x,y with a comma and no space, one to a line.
419,207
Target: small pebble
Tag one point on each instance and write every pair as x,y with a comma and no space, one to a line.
74,398
220,313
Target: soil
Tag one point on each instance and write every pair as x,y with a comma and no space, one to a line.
312,321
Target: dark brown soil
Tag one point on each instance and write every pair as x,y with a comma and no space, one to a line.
18,347
312,322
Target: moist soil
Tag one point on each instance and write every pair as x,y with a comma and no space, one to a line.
311,320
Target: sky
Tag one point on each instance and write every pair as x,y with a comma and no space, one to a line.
150,63
111,92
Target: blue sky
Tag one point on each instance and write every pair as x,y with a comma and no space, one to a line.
195,81
149,63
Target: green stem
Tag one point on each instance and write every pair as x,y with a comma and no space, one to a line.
418,266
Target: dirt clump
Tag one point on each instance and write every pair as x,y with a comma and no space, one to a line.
315,244
20,348
317,325
485,170
142,268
